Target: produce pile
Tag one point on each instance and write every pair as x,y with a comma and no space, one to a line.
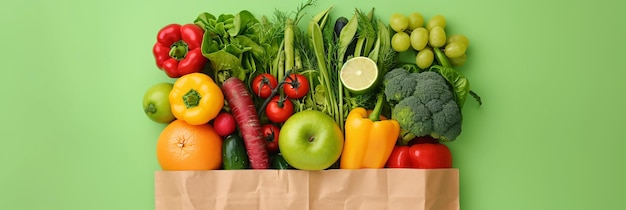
261,92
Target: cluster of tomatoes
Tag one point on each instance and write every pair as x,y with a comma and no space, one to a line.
278,107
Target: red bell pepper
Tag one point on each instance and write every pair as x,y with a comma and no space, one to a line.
178,49
423,155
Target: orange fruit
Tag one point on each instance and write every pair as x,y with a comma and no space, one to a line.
182,146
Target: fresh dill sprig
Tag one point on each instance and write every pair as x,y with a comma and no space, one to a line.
299,13
303,45
365,27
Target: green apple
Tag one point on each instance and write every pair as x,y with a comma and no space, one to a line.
310,140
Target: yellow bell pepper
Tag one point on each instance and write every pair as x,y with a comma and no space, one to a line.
368,140
196,98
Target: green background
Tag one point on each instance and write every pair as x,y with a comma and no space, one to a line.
549,135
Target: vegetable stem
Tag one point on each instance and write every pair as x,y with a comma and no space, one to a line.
289,42
192,98
274,92
359,46
346,36
476,97
178,50
375,115
281,64
318,46
298,60
276,61
441,57
151,108
340,98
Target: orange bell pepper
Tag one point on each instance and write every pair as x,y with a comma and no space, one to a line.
196,98
368,140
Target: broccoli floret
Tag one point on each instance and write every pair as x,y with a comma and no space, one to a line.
430,109
447,122
399,84
431,86
414,116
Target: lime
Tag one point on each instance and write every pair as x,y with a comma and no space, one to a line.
359,74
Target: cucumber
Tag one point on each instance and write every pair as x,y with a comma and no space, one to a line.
278,162
234,155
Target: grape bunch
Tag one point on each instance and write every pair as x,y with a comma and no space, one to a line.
412,32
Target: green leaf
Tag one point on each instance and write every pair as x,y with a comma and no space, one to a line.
241,22
322,17
312,75
387,56
235,49
320,94
224,61
211,26
255,48
209,45
253,32
458,82
251,64
225,18
366,32
219,29
346,36
384,34
410,67
375,52
203,20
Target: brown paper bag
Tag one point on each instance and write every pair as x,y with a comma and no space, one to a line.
364,189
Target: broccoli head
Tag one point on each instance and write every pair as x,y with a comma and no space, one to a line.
430,109
399,84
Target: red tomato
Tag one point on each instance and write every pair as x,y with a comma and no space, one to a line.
263,84
296,86
270,134
279,109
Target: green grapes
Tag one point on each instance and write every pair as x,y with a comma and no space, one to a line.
419,38
416,20
417,35
400,42
424,58
455,49
437,37
459,38
437,20
458,61
399,22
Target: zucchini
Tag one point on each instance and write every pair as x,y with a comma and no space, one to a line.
234,154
